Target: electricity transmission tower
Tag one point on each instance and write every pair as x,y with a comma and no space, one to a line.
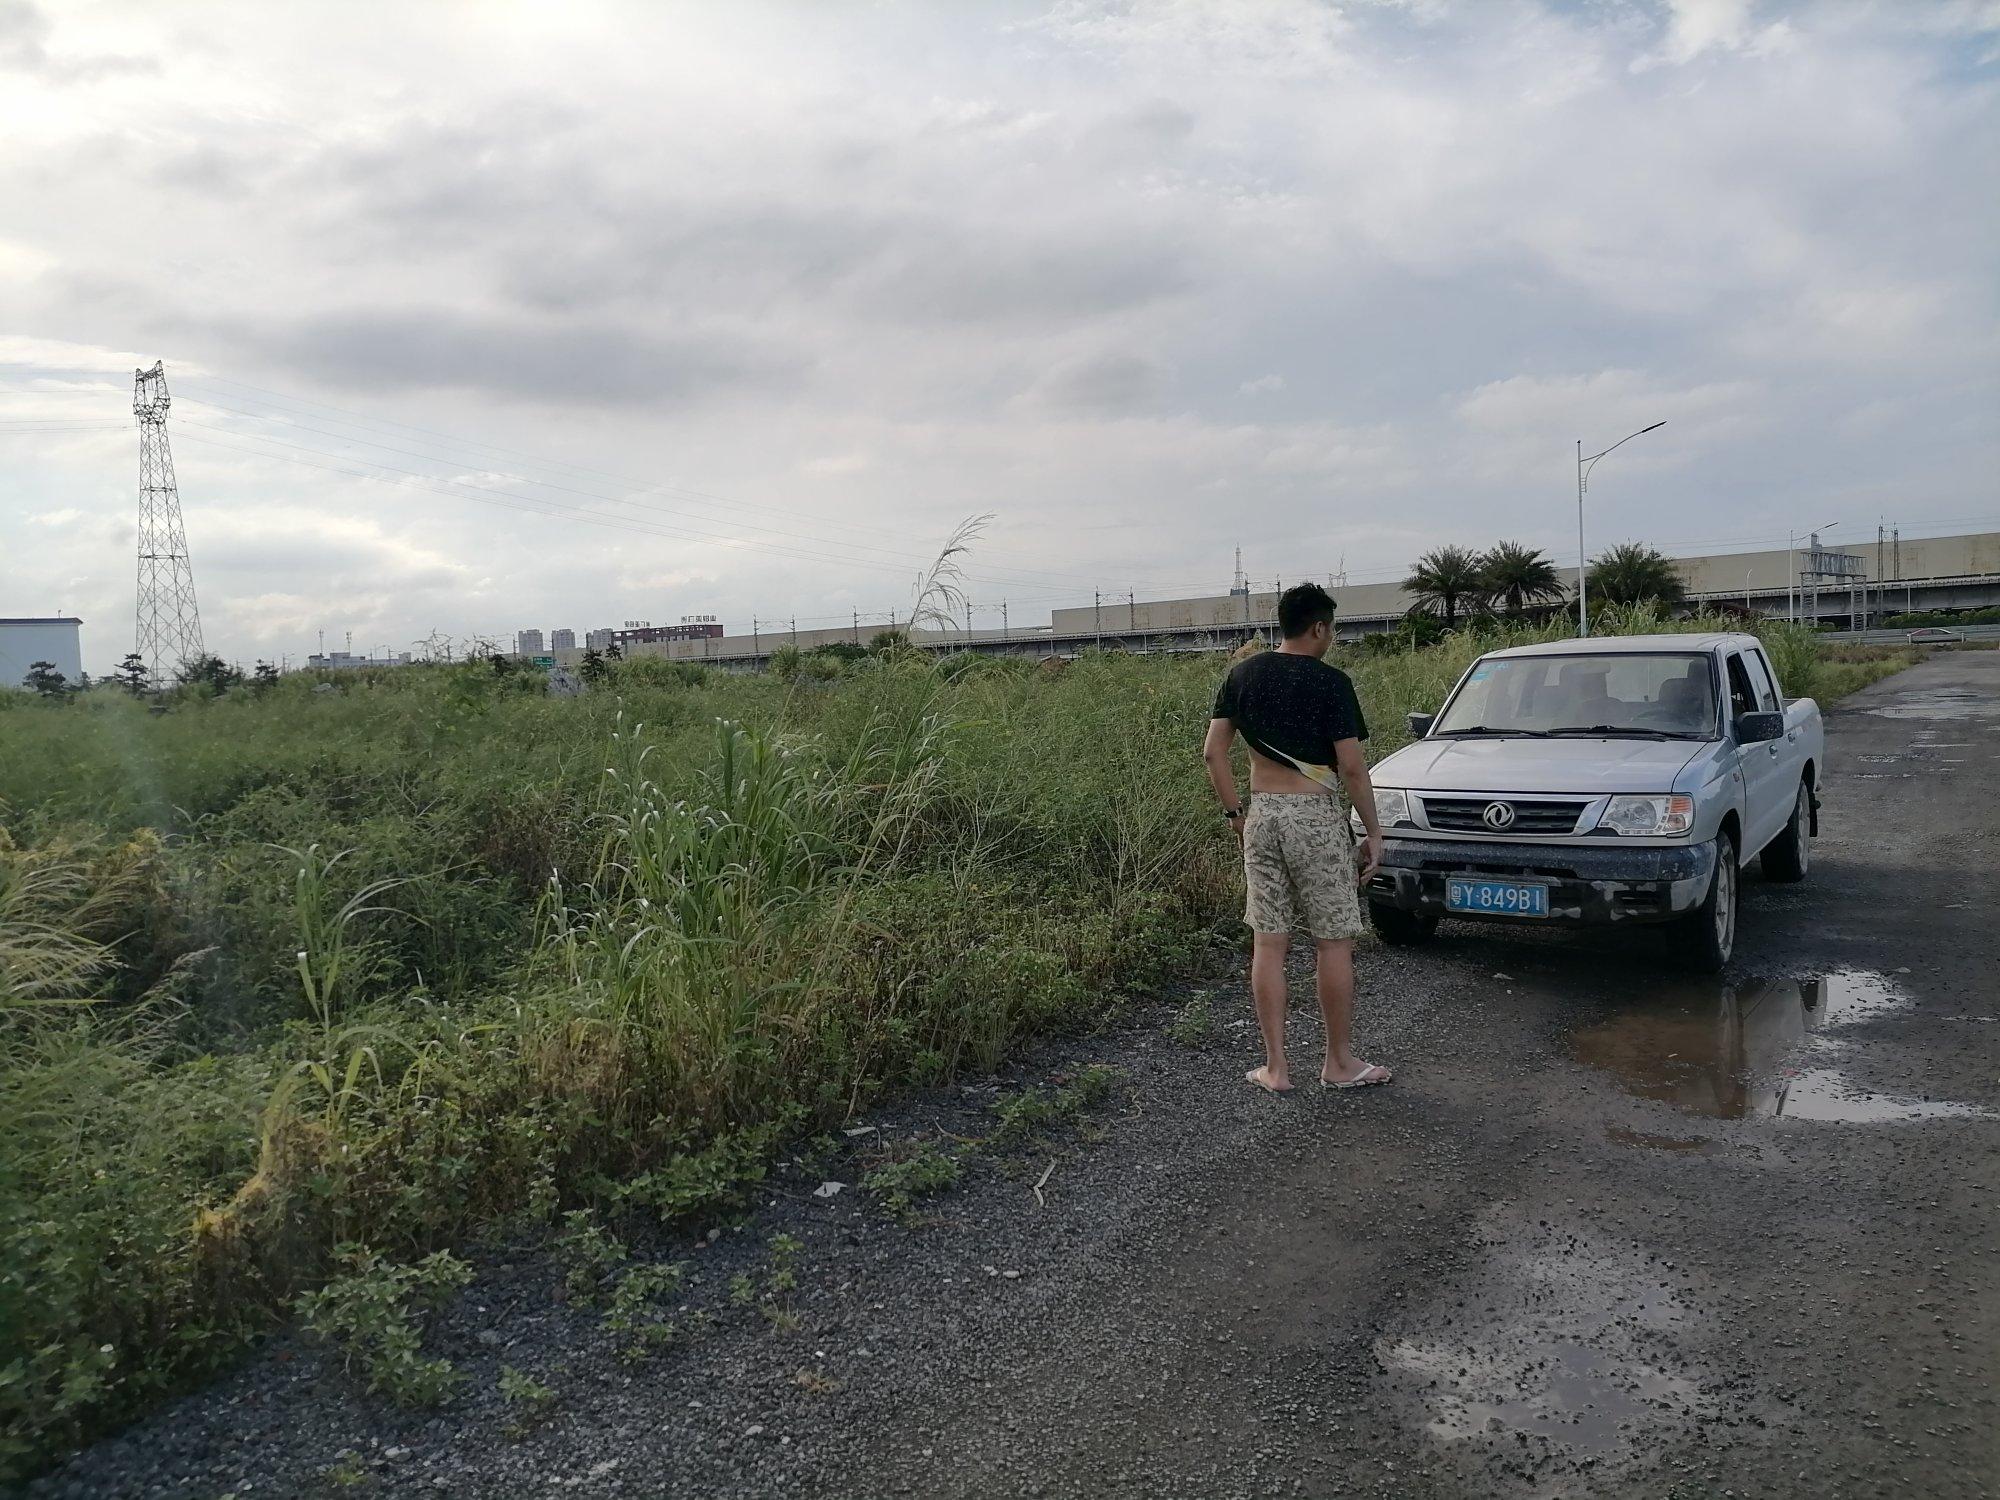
169,625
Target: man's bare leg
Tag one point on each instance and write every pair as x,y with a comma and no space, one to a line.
1335,979
1268,989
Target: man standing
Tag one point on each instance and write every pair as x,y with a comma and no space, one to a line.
1304,728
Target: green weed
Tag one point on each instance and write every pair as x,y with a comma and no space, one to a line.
899,1185
1030,1111
371,1312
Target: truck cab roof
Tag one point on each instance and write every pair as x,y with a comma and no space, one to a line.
1618,645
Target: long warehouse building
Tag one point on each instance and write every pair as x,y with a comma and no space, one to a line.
1838,584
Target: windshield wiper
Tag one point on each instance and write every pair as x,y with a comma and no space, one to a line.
1535,734
1618,731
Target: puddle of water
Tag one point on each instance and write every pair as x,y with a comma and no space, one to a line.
1553,1337
1727,1052
1822,1094
1561,1389
1946,703
1626,1137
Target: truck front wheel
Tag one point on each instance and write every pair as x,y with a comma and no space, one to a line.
1708,933
1787,856
1399,928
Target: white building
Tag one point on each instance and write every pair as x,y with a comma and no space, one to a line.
562,640
599,640
25,641
528,643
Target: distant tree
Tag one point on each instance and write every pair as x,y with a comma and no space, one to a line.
1419,628
843,651
133,675
43,678
887,642
1633,573
210,672
612,653
264,678
1446,578
1519,576
593,669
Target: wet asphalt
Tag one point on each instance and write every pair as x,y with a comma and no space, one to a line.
1611,1232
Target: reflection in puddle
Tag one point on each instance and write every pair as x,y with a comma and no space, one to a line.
1732,1053
1822,1094
1947,703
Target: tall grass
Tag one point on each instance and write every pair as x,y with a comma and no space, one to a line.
379,966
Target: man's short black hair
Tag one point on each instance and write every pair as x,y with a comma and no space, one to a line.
1303,606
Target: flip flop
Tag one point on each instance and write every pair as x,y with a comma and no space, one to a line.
1252,1079
1371,1075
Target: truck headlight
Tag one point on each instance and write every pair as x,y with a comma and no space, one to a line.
1643,815
1391,806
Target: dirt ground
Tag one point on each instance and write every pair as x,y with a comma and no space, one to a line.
1609,1233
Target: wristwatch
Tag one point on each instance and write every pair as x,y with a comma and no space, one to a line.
1231,814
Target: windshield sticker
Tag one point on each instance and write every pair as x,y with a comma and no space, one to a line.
1481,673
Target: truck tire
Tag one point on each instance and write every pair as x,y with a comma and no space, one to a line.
1708,933
1788,855
1399,928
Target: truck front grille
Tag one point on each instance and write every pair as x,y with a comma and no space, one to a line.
1531,814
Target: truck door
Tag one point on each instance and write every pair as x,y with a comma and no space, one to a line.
1766,804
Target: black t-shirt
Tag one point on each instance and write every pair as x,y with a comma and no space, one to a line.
1292,709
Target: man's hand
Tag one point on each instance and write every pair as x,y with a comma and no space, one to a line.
1369,857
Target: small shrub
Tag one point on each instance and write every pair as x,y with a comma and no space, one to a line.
591,1252
634,1318
530,1400
371,1312
1194,1022
1027,1113
898,1185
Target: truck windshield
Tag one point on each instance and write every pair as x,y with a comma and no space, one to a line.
1617,694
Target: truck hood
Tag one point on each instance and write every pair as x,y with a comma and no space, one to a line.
1583,766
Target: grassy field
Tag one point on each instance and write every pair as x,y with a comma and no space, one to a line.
316,979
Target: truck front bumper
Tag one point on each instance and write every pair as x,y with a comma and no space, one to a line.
1586,883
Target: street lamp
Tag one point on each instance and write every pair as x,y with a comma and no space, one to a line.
1583,467
1791,573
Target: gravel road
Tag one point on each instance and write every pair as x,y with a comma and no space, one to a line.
1610,1233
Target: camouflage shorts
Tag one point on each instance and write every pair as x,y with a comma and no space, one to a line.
1298,866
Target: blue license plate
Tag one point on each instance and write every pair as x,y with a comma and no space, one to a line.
1504,898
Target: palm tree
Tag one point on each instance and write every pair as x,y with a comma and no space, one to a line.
1520,575
1632,573
1443,579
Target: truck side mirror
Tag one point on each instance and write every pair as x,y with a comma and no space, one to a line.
1754,729
1420,725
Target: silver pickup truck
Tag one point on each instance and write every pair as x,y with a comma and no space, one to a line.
1619,780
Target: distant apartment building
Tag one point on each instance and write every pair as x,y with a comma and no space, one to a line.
562,640
528,643
599,640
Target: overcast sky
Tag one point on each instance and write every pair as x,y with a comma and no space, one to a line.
750,304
